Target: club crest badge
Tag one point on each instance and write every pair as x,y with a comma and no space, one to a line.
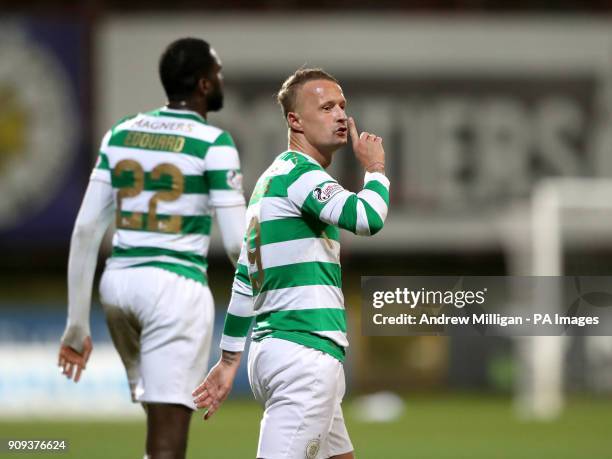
312,448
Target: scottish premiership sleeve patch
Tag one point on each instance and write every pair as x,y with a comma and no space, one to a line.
234,180
325,192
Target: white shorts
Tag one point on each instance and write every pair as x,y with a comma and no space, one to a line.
161,324
301,389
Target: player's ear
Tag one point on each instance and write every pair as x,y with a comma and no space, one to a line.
203,85
294,122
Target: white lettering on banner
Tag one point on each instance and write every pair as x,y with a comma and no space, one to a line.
449,150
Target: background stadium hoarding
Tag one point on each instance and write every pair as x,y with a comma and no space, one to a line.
31,385
474,112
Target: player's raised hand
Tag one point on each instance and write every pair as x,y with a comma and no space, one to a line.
71,362
217,385
367,148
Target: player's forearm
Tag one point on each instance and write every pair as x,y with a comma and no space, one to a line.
93,219
363,213
373,203
237,323
231,359
81,269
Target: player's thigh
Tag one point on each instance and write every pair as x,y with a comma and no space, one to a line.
124,327
299,389
254,376
338,440
176,340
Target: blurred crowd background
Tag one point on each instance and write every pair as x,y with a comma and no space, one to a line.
480,103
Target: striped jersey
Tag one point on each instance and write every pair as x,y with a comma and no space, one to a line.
288,275
168,169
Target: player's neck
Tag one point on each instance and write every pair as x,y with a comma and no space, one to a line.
191,105
299,143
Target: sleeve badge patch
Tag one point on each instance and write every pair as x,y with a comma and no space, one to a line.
234,180
324,193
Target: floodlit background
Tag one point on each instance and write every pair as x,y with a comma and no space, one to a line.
497,123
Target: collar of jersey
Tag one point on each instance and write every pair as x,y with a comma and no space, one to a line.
309,158
183,112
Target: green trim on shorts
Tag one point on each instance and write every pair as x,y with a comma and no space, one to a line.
309,340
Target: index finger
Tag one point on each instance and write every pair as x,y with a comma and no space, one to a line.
353,130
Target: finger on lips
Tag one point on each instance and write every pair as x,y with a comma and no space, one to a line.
353,130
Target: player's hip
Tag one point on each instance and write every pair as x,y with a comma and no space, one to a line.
155,294
279,368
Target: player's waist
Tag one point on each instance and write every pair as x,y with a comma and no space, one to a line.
303,319
315,327
188,264
311,340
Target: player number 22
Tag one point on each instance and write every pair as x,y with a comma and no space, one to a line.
173,223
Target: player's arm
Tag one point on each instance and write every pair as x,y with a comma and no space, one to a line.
224,181
318,195
231,222
218,383
92,221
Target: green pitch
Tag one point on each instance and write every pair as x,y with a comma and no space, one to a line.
437,427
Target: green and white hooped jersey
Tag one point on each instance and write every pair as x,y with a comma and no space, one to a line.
168,169
288,275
